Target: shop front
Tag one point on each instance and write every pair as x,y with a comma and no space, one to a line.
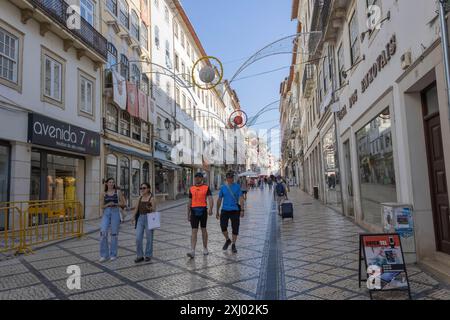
64,162
167,173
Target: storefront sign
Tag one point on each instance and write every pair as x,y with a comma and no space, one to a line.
52,133
382,61
384,261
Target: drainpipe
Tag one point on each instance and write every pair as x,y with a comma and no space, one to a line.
444,41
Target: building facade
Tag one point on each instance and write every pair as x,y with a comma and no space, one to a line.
376,120
50,103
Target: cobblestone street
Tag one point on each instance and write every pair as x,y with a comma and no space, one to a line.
313,257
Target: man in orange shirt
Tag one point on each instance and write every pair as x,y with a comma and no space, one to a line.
198,210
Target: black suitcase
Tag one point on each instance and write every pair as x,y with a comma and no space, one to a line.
287,210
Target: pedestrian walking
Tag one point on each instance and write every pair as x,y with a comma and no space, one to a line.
270,183
200,206
244,187
232,204
280,192
145,205
112,201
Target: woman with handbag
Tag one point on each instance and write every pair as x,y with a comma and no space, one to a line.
145,206
112,201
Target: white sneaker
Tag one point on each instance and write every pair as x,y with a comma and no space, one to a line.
102,260
205,252
113,258
191,254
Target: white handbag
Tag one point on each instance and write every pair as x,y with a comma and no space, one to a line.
153,220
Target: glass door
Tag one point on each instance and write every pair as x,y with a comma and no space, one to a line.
4,180
348,178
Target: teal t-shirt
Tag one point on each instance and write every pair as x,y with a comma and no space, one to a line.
228,202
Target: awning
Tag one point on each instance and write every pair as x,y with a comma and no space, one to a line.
130,152
167,164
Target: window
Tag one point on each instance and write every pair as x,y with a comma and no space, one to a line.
86,95
183,102
166,14
135,74
175,29
112,56
134,25
145,84
158,127
157,37
377,173
177,63
125,177
135,177
111,167
145,132
177,96
112,117
183,69
341,64
146,172
124,15
168,93
124,66
52,79
136,129
188,49
125,123
87,10
354,39
168,60
112,6
9,56
156,2
144,36
182,38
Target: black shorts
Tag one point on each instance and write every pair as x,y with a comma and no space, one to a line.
234,216
244,191
195,221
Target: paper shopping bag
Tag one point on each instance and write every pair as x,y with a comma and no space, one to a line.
154,220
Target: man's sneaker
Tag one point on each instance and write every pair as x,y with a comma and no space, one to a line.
205,252
113,258
233,248
148,259
191,254
227,244
138,260
102,260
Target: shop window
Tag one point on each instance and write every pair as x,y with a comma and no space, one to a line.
125,177
136,129
125,123
112,117
146,172
135,177
376,168
111,167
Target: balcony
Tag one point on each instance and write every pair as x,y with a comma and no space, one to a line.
57,10
308,80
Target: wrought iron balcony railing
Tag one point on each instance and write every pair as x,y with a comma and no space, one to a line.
58,11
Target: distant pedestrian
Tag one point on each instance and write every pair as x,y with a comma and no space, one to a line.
230,195
112,201
280,193
145,205
198,210
244,187
270,183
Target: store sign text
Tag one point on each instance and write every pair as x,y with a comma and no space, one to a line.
382,61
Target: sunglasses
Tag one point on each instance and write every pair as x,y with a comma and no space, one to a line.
143,188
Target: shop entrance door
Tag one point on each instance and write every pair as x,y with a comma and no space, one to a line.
348,178
436,169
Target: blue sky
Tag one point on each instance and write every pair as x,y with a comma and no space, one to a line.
233,30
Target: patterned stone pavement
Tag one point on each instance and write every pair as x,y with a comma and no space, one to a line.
313,257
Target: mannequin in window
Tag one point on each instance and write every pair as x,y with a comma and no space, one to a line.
70,191
50,187
59,192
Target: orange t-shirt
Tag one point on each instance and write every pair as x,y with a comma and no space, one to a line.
199,194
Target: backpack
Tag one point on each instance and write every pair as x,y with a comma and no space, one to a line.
279,189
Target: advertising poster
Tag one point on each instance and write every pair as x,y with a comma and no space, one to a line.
119,90
384,252
132,100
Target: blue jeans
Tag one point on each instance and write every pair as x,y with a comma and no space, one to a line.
111,217
141,227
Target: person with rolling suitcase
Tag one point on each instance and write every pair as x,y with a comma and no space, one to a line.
285,209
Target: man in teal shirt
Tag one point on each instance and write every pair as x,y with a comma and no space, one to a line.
230,195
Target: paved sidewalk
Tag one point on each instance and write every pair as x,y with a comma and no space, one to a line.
313,257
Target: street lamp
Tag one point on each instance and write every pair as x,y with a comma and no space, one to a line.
167,124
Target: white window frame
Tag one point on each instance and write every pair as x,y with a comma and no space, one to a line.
84,77
47,55
16,81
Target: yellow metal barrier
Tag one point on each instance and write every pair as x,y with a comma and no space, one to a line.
31,223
